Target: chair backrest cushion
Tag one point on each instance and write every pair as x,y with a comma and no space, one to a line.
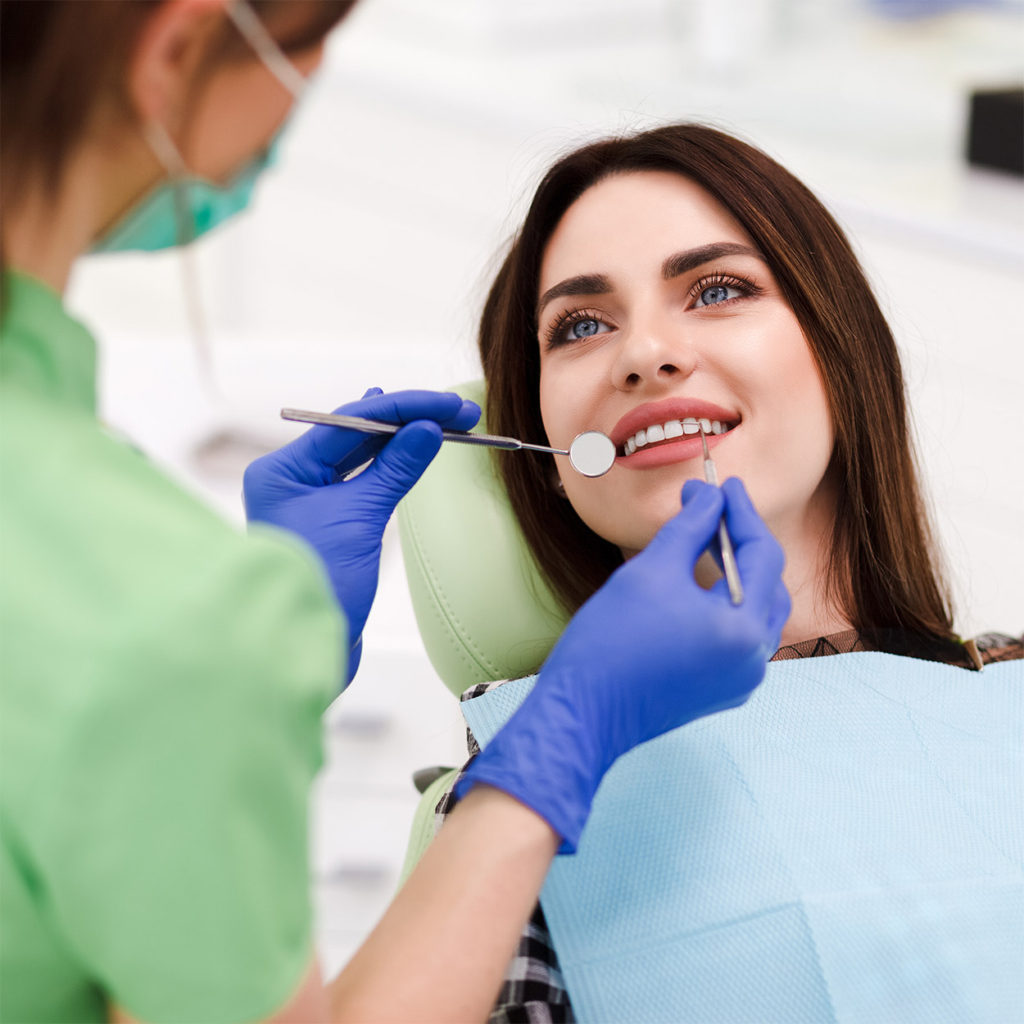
482,607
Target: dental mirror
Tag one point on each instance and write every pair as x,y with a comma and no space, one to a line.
590,454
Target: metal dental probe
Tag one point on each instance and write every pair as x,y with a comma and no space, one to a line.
591,453
732,573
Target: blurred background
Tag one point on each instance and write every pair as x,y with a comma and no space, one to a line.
365,256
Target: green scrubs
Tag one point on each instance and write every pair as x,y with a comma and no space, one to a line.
162,680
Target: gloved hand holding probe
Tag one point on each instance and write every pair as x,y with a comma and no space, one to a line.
649,652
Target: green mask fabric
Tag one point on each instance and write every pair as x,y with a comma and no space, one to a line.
180,211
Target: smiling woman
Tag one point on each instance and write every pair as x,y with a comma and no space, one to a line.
681,275
680,279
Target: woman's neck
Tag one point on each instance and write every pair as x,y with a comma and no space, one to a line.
812,615
807,545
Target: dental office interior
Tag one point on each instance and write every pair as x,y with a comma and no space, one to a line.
365,255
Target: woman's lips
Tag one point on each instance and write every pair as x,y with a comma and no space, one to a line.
669,416
671,410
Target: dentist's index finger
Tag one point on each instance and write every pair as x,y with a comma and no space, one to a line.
331,446
445,408
759,556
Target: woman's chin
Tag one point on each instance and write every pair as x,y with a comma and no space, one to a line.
633,525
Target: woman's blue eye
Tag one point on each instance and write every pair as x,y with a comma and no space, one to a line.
577,325
580,329
716,293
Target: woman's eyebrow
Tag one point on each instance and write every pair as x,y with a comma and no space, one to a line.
584,284
682,262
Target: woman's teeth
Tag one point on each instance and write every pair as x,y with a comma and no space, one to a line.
671,429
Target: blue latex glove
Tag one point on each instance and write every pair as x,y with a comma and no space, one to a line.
649,652
301,487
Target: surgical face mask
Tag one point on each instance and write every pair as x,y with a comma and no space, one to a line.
184,207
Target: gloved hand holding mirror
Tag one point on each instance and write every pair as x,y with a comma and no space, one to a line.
591,453
305,487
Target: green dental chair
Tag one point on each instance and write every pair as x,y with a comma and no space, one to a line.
483,610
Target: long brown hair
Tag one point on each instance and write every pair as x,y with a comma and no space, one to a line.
883,570
58,58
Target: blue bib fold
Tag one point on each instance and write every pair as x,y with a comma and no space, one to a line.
848,846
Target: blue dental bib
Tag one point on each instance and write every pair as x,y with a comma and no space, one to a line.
848,846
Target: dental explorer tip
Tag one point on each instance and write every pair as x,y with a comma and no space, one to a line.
703,441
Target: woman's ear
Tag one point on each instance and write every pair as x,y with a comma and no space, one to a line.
167,53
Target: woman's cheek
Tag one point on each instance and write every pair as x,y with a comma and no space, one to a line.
625,516
560,410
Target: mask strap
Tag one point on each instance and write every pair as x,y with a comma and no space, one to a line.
267,47
163,147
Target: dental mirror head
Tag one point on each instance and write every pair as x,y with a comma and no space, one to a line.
592,453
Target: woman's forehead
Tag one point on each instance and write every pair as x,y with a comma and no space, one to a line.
632,222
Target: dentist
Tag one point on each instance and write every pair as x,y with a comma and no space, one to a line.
163,676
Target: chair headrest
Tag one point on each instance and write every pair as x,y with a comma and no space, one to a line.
482,607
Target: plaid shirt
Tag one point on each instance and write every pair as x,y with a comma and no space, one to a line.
534,991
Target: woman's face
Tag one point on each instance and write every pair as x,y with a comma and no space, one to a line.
656,312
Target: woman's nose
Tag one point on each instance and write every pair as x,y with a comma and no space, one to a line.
652,354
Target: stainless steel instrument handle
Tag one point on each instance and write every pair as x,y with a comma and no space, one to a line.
379,427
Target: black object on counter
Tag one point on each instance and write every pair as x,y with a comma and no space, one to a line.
995,130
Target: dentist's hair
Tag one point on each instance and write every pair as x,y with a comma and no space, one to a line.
61,59
884,571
